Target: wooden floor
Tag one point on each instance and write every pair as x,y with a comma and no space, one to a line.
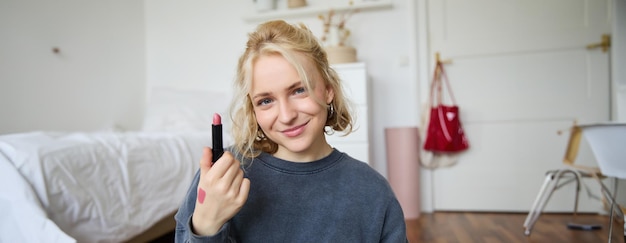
501,227
461,227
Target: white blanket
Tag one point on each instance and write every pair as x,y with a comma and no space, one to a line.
92,187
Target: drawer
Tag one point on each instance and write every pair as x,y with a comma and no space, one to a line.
354,81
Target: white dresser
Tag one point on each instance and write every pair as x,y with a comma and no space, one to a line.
354,80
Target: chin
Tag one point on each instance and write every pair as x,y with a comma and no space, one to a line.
297,146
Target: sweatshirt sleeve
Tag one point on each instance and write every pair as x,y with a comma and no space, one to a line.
183,233
394,228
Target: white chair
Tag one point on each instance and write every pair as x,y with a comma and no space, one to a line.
608,143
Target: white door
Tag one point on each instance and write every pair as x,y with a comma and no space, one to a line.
520,72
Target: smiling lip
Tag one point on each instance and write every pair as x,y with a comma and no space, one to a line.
294,131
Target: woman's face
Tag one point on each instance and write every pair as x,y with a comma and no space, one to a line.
287,112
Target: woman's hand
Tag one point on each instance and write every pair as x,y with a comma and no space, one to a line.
222,191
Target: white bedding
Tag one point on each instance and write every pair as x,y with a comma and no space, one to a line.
92,187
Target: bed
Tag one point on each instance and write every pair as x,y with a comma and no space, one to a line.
106,186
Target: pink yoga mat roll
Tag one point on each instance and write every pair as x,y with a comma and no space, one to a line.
403,168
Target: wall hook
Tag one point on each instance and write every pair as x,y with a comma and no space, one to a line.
438,59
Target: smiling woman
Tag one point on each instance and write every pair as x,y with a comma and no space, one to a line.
276,44
295,185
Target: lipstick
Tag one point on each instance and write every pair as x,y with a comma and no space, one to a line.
217,148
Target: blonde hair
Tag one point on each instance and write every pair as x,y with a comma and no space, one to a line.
291,42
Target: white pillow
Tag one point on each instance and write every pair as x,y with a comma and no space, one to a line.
176,110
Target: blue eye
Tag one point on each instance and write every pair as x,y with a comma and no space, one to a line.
263,101
299,90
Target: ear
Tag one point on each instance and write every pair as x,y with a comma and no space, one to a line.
330,94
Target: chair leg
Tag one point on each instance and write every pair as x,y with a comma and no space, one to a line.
611,221
530,218
577,178
612,210
611,198
552,180
615,209
540,200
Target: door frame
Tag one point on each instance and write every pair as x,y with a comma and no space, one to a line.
420,60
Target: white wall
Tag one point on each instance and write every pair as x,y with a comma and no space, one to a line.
196,44
95,82
193,44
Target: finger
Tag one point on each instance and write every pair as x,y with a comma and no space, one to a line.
244,190
233,170
205,161
221,166
237,181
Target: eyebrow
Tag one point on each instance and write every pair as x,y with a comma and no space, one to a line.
292,86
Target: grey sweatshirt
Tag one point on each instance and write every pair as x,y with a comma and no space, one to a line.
334,199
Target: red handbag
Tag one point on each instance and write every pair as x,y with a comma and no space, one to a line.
445,132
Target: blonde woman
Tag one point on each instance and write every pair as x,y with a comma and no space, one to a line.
281,181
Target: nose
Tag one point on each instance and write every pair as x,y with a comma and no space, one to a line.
287,112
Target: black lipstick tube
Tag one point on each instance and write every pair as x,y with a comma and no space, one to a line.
217,147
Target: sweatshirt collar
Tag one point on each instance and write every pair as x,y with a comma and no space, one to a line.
312,167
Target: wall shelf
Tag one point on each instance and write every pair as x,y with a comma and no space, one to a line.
315,10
